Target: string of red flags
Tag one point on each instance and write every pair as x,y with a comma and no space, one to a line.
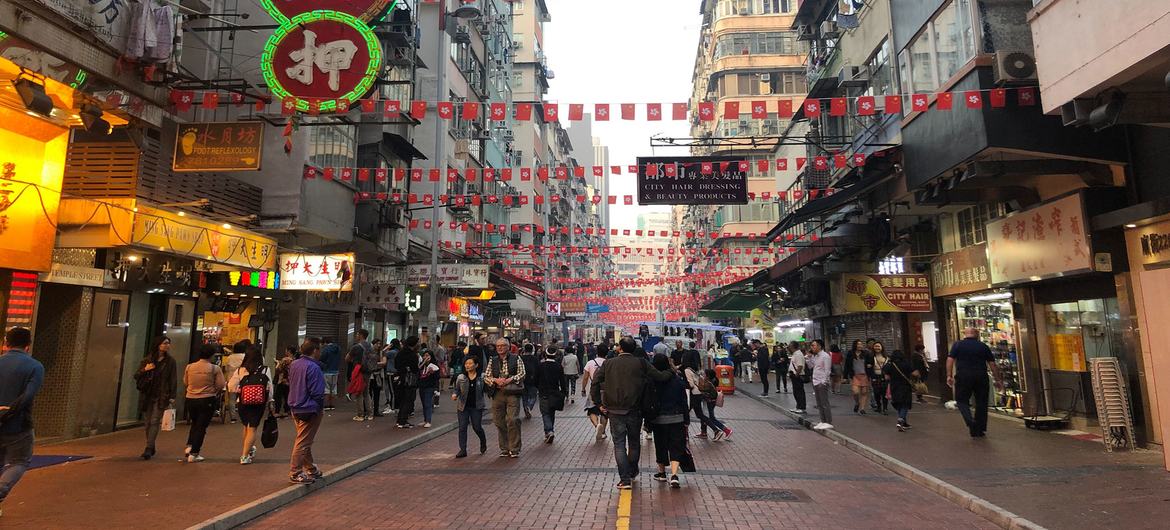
517,199
759,109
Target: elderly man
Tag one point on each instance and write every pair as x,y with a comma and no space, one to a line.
505,378
967,366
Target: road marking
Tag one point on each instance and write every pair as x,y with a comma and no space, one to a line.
625,499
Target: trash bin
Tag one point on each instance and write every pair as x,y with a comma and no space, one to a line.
726,377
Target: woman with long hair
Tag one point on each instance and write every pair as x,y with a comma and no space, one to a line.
428,384
155,380
859,372
467,393
881,403
250,374
901,374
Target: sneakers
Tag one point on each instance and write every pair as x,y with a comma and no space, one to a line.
600,432
901,428
245,460
660,476
796,411
427,425
406,425
359,417
718,436
505,454
702,435
194,457
388,410
727,433
301,478
624,485
461,454
252,452
548,437
822,426
514,454
674,482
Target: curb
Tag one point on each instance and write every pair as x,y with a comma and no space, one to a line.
280,498
955,494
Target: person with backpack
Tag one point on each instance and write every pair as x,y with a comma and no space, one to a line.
693,379
798,373
204,382
370,360
281,375
670,425
406,364
505,376
553,387
708,387
253,390
593,410
155,380
531,394
620,387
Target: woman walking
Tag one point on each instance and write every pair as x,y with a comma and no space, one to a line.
670,425
552,387
859,372
881,400
155,380
598,418
281,376
899,372
204,382
246,383
428,384
469,403
696,401
710,390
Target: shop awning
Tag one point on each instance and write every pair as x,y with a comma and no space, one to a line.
733,305
876,172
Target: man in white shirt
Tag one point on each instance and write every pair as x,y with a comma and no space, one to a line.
796,374
822,364
571,368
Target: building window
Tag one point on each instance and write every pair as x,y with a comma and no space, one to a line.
881,79
944,46
972,223
773,7
771,43
332,145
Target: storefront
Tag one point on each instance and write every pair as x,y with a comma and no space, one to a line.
324,304
1148,245
237,305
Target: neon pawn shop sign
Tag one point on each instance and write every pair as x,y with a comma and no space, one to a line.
323,52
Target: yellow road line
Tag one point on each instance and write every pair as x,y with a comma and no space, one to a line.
624,501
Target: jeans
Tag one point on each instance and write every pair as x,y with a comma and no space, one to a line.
302,451
530,397
473,417
798,391
822,394
782,378
367,400
153,419
15,453
548,415
764,379
427,396
627,444
572,384
697,408
880,402
904,414
201,410
711,420
506,416
405,403
978,386
281,397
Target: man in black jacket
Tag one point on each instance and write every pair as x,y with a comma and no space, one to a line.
763,362
553,387
618,387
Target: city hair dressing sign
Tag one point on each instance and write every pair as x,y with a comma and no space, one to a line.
324,53
692,180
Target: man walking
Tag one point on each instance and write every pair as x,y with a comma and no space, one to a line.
822,365
744,360
967,367
20,379
572,368
617,387
763,362
505,375
330,365
796,369
306,400
363,352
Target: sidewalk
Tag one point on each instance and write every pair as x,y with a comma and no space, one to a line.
114,488
1054,480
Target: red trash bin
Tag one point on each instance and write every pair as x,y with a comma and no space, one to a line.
726,378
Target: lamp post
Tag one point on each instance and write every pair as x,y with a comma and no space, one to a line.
467,10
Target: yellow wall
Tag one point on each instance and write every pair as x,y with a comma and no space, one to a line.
33,166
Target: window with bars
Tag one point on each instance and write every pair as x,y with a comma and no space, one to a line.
756,43
971,223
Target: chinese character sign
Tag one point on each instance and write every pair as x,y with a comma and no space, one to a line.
962,271
308,272
888,293
1041,242
218,146
323,54
692,180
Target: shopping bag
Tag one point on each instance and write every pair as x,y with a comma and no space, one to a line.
271,432
719,399
168,419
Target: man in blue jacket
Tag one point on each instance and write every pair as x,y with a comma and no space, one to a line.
306,400
20,379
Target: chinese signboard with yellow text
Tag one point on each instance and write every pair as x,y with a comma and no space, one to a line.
203,240
306,272
218,146
885,293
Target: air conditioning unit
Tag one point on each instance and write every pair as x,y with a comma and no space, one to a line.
1014,67
805,32
462,147
853,76
765,77
829,30
395,217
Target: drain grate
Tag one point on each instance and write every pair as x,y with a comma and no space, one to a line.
763,495
785,426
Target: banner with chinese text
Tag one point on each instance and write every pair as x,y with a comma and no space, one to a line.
885,293
1042,242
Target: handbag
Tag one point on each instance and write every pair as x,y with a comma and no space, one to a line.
271,432
357,383
719,399
915,384
168,419
686,462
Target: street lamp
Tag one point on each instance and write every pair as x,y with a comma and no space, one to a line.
467,10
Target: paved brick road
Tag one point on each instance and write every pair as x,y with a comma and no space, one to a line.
571,485
1053,480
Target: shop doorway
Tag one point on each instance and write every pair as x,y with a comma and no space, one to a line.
105,356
